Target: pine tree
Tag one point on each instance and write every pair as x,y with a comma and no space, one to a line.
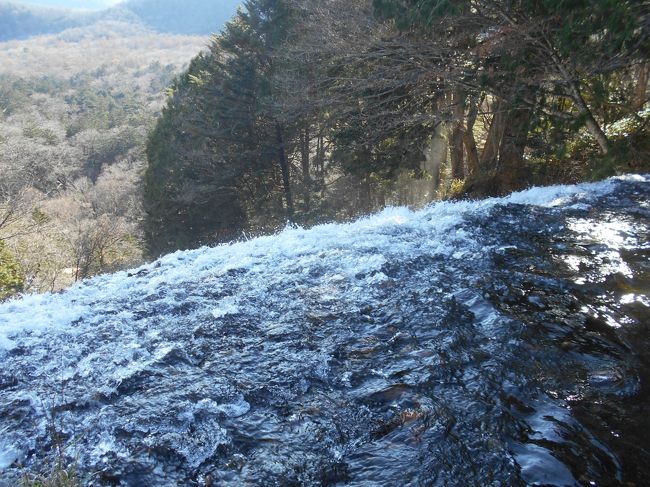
218,160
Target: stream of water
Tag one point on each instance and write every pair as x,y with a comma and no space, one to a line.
503,342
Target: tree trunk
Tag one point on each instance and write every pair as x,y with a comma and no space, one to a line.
304,162
640,96
284,167
456,151
490,153
590,122
570,79
469,141
365,196
510,175
320,163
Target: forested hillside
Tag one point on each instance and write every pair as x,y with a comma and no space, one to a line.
21,21
190,17
75,110
305,110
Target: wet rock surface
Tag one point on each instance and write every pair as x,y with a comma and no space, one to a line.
497,343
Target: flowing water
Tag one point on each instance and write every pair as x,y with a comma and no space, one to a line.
496,343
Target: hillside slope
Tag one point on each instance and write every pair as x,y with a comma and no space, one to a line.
75,108
21,21
196,17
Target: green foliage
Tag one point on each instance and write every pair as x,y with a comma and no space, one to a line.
627,154
388,154
89,106
608,26
39,217
61,473
13,95
12,280
214,156
104,108
36,132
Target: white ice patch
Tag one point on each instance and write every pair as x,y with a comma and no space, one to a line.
636,298
580,207
553,196
6,343
635,178
377,278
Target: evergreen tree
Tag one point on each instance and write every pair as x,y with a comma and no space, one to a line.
218,160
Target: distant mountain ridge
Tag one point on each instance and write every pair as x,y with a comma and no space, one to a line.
193,17
189,17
